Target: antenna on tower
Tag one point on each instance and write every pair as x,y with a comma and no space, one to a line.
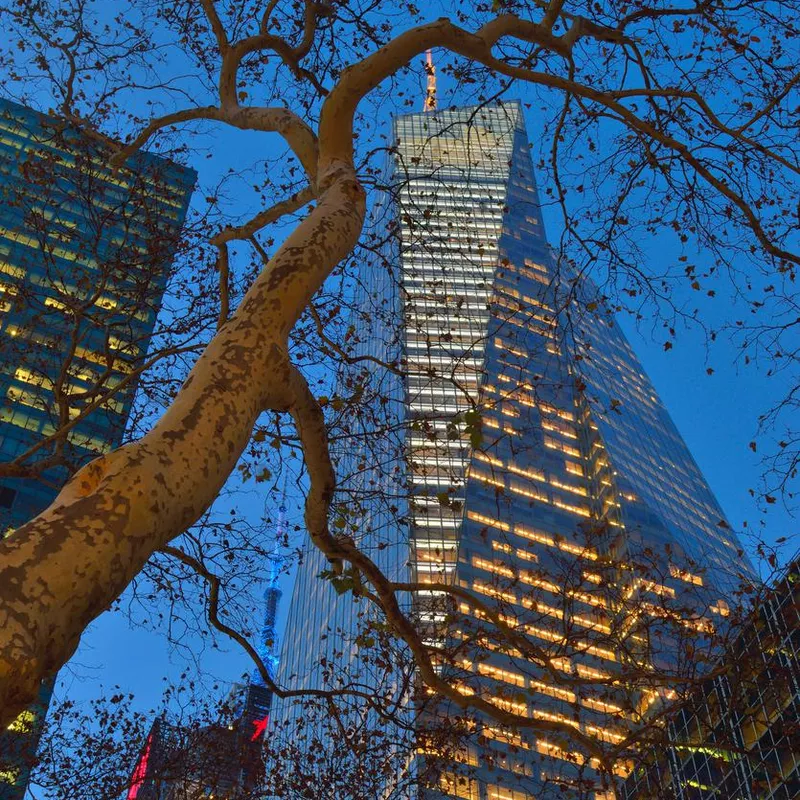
430,91
268,649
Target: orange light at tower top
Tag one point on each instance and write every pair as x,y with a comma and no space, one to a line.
430,91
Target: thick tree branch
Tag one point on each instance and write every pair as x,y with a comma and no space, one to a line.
264,218
214,586
297,134
157,124
63,568
217,28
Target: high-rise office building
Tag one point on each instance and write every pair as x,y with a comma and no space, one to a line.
524,450
85,252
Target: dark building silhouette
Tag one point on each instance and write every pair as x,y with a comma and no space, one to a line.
738,736
221,760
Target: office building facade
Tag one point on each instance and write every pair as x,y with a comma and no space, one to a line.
738,735
85,252
532,452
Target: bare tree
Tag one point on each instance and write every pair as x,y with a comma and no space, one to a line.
653,117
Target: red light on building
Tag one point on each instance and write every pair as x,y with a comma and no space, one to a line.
261,727
140,771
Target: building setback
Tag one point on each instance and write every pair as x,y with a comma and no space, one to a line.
85,252
532,447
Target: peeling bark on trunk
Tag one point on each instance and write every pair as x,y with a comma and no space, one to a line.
65,567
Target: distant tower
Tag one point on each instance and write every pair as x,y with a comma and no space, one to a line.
223,759
430,91
267,647
272,595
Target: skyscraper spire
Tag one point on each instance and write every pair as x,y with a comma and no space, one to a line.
430,91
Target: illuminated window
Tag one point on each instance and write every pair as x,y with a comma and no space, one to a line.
493,567
529,491
88,442
9,775
534,534
505,426
51,302
490,521
491,591
459,786
498,792
507,676
515,350
600,705
512,706
553,691
685,575
547,408
721,608
10,269
527,472
552,444
591,672
581,511
27,376
505,736
488,479
23,722
106,302
487,459
569,487
559,427
26,398
604,734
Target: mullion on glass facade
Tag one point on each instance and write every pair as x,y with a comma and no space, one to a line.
737,735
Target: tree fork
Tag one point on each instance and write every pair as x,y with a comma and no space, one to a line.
66,566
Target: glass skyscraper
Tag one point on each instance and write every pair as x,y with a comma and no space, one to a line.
524,450
85,251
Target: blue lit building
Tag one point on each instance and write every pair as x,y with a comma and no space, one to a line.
85,254
520,450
